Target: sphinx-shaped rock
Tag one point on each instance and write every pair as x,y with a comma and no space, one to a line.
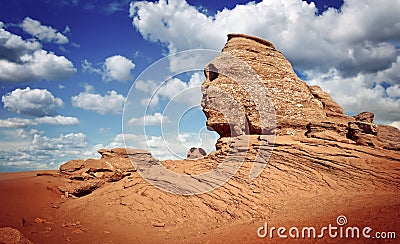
231,79
251,88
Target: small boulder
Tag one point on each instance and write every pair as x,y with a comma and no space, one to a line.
196,153
39,221
367,117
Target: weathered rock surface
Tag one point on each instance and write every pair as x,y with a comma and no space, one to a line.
250,65
12,236
321,163
294,103
196,153
367,117
90,174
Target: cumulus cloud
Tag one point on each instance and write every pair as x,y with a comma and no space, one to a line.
110,103
36,66
114,68
63,142
359,42
36,102
36,151
42,32
57,120
341,39
12,47
118,68
25,60
356,97
149,120
118,140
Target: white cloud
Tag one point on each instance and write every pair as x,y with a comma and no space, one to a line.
118,68
34,102
36,66
12,47
356,97
359,42
15,123
110,103
21,133
24,60
58,120
35,151
149,120
42,32
393,91
63,142
22,123
114,68
88,67
339,39
118,140
146,86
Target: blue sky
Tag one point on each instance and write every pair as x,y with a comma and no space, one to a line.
66,68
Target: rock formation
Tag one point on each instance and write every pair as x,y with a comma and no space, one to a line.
90,174
196,153
321,162
297,107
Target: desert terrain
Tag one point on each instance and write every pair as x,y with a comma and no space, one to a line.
317,164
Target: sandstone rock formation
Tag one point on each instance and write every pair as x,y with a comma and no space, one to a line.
196,153
296,107
321,163
294,103
90,174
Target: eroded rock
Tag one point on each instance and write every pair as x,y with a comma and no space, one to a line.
196,153
252,89
367,117
231,85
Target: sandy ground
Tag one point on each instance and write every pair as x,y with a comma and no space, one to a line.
25,197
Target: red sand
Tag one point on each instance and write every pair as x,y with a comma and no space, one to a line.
26,197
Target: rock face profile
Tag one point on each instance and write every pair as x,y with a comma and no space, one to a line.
294,103
316,163
297,107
